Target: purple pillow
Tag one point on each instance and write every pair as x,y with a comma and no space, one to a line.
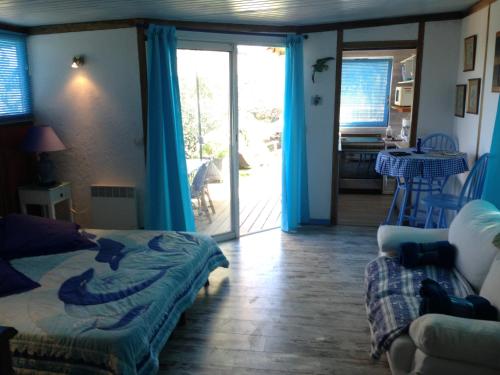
12,281
26,236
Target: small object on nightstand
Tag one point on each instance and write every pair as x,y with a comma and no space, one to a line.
47,197
42,140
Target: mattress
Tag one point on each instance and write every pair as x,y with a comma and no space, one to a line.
110,309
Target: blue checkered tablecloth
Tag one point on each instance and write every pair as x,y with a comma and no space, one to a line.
430,165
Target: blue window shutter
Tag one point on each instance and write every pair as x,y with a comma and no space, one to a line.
15,92
365,91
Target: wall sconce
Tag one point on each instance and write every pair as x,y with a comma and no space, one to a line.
77,62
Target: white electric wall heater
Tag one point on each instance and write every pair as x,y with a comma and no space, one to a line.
113,207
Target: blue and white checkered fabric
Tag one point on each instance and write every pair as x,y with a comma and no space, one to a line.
393,298
429,165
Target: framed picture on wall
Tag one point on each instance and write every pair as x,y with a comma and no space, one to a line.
473,96
470,53
460,100
496,65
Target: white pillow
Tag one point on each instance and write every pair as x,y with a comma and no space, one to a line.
389,237
472,232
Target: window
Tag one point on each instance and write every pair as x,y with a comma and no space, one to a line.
365,92
15,93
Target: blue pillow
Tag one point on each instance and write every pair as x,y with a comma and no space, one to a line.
12,281
26,236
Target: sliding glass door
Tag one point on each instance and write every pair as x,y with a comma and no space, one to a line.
206,87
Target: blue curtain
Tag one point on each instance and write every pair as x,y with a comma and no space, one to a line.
167,198
295,195
492,184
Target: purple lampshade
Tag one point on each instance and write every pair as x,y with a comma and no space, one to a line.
42,139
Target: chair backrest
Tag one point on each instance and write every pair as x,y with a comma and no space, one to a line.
472,232
439,141
199,180
474,184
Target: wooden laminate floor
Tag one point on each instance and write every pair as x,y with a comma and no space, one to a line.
288,304
363,209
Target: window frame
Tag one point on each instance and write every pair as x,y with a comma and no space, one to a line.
371,125
27,88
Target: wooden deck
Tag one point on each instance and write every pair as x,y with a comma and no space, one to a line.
259,201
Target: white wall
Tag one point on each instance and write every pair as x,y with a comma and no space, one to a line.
319,122
490,99
466,128
436,107
96,110
394,32
436,103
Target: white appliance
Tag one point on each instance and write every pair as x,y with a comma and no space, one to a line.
403,96
113,207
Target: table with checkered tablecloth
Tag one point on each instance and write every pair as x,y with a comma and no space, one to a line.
411,168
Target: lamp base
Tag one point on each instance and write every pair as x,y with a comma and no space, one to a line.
46,171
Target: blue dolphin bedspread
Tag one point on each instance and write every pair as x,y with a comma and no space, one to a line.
110,309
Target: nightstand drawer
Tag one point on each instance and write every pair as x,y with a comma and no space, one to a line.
62,193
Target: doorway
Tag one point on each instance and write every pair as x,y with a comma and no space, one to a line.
373,117
205,84
232,108
261,90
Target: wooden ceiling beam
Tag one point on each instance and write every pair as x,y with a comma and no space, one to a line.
14,28
381,22
478,6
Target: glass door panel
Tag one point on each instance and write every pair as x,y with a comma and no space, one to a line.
261,88
205,90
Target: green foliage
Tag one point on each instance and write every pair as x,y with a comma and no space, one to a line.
189,108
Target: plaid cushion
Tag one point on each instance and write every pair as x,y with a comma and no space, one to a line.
393,300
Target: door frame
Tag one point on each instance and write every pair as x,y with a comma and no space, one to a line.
418,45
230,48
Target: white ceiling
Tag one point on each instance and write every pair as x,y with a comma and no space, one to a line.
266,12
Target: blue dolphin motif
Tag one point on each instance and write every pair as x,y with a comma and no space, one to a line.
189,237
110,251
74,290
122,322
154,244
126,319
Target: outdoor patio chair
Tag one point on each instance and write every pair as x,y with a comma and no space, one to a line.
199,192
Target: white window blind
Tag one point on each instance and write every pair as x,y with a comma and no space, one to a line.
15,93
365,91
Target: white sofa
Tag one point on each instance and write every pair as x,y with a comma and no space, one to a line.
441,344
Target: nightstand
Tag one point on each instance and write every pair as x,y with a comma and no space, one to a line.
47,197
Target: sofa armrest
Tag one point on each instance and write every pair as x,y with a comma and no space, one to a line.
389,237
458,339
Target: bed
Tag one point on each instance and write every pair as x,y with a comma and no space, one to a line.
109,309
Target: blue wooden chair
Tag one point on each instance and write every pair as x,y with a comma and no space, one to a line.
433,142
199,191
472,189
439,141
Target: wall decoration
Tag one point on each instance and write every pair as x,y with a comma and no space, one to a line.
473,96
496,65
320,65
470,53
460,100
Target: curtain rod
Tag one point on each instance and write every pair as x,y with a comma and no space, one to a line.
145,25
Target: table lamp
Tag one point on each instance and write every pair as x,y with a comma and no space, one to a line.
42,140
